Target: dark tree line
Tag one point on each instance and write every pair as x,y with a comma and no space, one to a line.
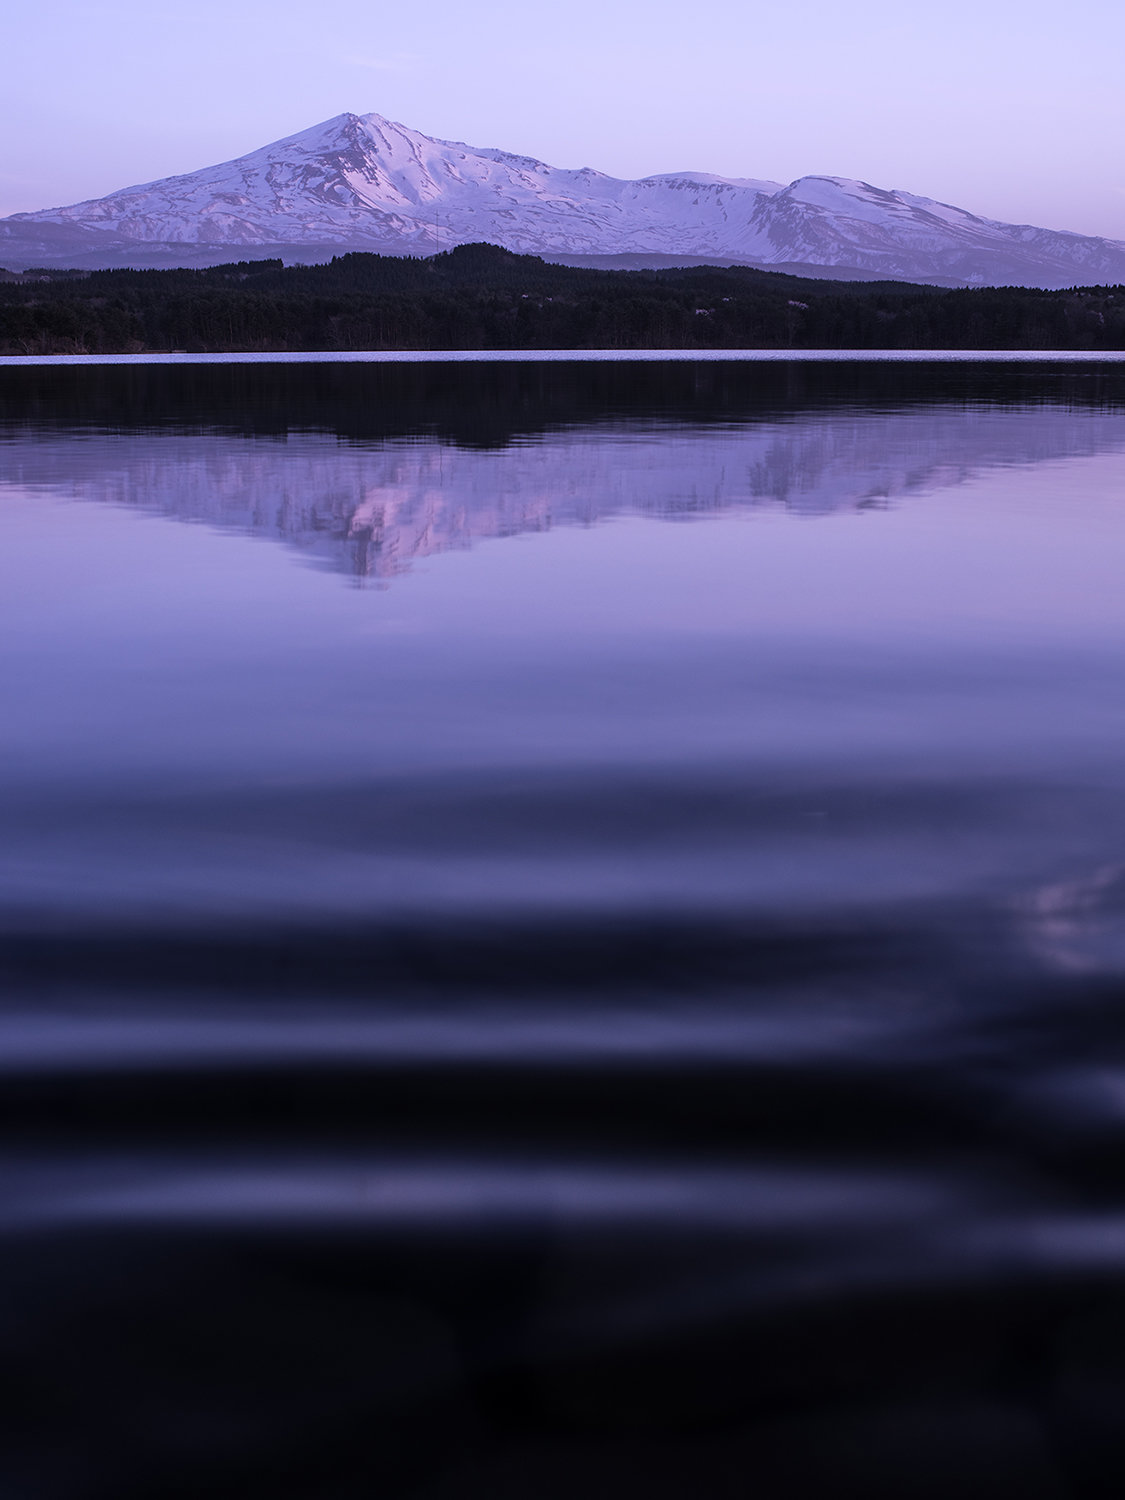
481,297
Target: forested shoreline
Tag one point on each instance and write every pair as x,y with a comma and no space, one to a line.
481,297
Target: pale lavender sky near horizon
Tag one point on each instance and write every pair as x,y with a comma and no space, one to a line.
1013,109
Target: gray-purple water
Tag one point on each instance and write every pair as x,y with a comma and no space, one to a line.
562,930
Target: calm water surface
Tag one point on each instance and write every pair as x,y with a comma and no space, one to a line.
562,930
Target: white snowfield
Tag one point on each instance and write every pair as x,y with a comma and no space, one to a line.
362,182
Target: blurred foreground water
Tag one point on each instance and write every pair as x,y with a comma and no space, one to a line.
562,931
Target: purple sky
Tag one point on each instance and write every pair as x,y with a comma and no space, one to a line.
1010,108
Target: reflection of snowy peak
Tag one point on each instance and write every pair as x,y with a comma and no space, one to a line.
361,182
374,511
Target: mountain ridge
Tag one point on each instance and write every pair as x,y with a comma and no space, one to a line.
363,182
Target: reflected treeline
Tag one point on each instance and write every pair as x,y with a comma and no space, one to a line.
490,404
370,509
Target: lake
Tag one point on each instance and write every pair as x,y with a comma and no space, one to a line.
562,927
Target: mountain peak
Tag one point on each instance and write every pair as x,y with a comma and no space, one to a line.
365,182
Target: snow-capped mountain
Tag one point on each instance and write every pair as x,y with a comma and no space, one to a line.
361,182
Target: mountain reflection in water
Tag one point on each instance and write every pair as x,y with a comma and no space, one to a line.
372,507
629,1008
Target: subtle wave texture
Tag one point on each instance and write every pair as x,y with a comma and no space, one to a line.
628,1004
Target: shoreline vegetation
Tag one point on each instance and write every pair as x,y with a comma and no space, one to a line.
482,297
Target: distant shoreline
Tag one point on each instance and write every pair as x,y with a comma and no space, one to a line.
587,356
480,300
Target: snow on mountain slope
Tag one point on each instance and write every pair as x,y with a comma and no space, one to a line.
836,221
365,182
361,182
